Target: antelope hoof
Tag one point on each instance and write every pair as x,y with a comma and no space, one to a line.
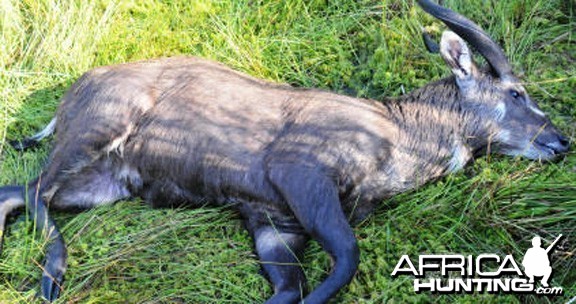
54,269
51,285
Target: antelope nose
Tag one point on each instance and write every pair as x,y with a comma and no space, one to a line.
561,145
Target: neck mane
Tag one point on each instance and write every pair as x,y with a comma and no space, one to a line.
437,134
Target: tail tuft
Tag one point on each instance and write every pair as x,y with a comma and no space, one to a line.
33,141
24,144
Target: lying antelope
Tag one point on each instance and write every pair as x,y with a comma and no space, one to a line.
296,163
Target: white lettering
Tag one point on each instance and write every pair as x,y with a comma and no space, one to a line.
410,270
420,286
476,274
458,266
484,257
514,269
431,266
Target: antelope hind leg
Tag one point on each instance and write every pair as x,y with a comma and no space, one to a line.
11,198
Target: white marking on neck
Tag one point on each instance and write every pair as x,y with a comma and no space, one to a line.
460,157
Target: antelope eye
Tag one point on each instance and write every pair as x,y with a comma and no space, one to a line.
515,94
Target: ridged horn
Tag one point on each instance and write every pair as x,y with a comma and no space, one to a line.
473,34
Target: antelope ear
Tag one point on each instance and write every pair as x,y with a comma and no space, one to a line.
457,55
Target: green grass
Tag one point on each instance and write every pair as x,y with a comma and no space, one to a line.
128,253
